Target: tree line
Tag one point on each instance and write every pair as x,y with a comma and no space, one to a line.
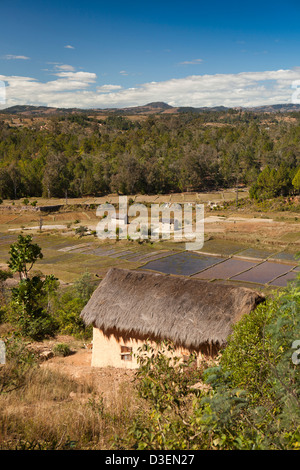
80,155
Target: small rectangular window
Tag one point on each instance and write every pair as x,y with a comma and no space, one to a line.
126,353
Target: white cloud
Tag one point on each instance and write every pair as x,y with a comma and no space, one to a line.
79,89
68,46
15,57
86,77
65,67
191,62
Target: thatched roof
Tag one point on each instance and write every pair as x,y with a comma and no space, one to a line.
186,311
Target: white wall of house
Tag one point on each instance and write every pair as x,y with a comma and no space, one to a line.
110,351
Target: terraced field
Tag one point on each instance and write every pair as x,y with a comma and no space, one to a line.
242,248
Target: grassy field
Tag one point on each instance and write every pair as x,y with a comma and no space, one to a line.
51,409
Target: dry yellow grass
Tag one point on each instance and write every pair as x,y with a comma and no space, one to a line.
54,411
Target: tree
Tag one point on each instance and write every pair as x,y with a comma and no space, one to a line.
30,299
23,255
56,179
15,176
6,189
296,181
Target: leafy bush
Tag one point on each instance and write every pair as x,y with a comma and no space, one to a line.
81,231
166,384
62,349
68,316
69,305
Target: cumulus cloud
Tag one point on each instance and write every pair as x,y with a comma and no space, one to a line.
79,89
84,77
68,46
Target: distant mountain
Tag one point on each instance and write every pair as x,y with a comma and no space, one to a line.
159,105
190,109
276,108
38,110
150,108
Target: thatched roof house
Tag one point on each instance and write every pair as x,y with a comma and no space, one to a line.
133,306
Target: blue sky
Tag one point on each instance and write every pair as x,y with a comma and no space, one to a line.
107,54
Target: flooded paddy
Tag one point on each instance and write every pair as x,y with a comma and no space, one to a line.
248,266
150,256
283,280
263,273
284,256
184,264
226,270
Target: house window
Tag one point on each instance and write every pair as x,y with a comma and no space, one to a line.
126,353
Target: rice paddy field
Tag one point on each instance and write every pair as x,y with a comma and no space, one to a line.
244,248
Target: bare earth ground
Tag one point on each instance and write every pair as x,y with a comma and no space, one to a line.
107,382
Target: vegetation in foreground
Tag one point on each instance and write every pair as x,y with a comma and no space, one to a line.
247,399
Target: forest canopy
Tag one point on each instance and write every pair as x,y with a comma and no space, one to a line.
82,155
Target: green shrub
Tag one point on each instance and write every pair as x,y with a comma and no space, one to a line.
81,231
165,383
256,388
62,349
